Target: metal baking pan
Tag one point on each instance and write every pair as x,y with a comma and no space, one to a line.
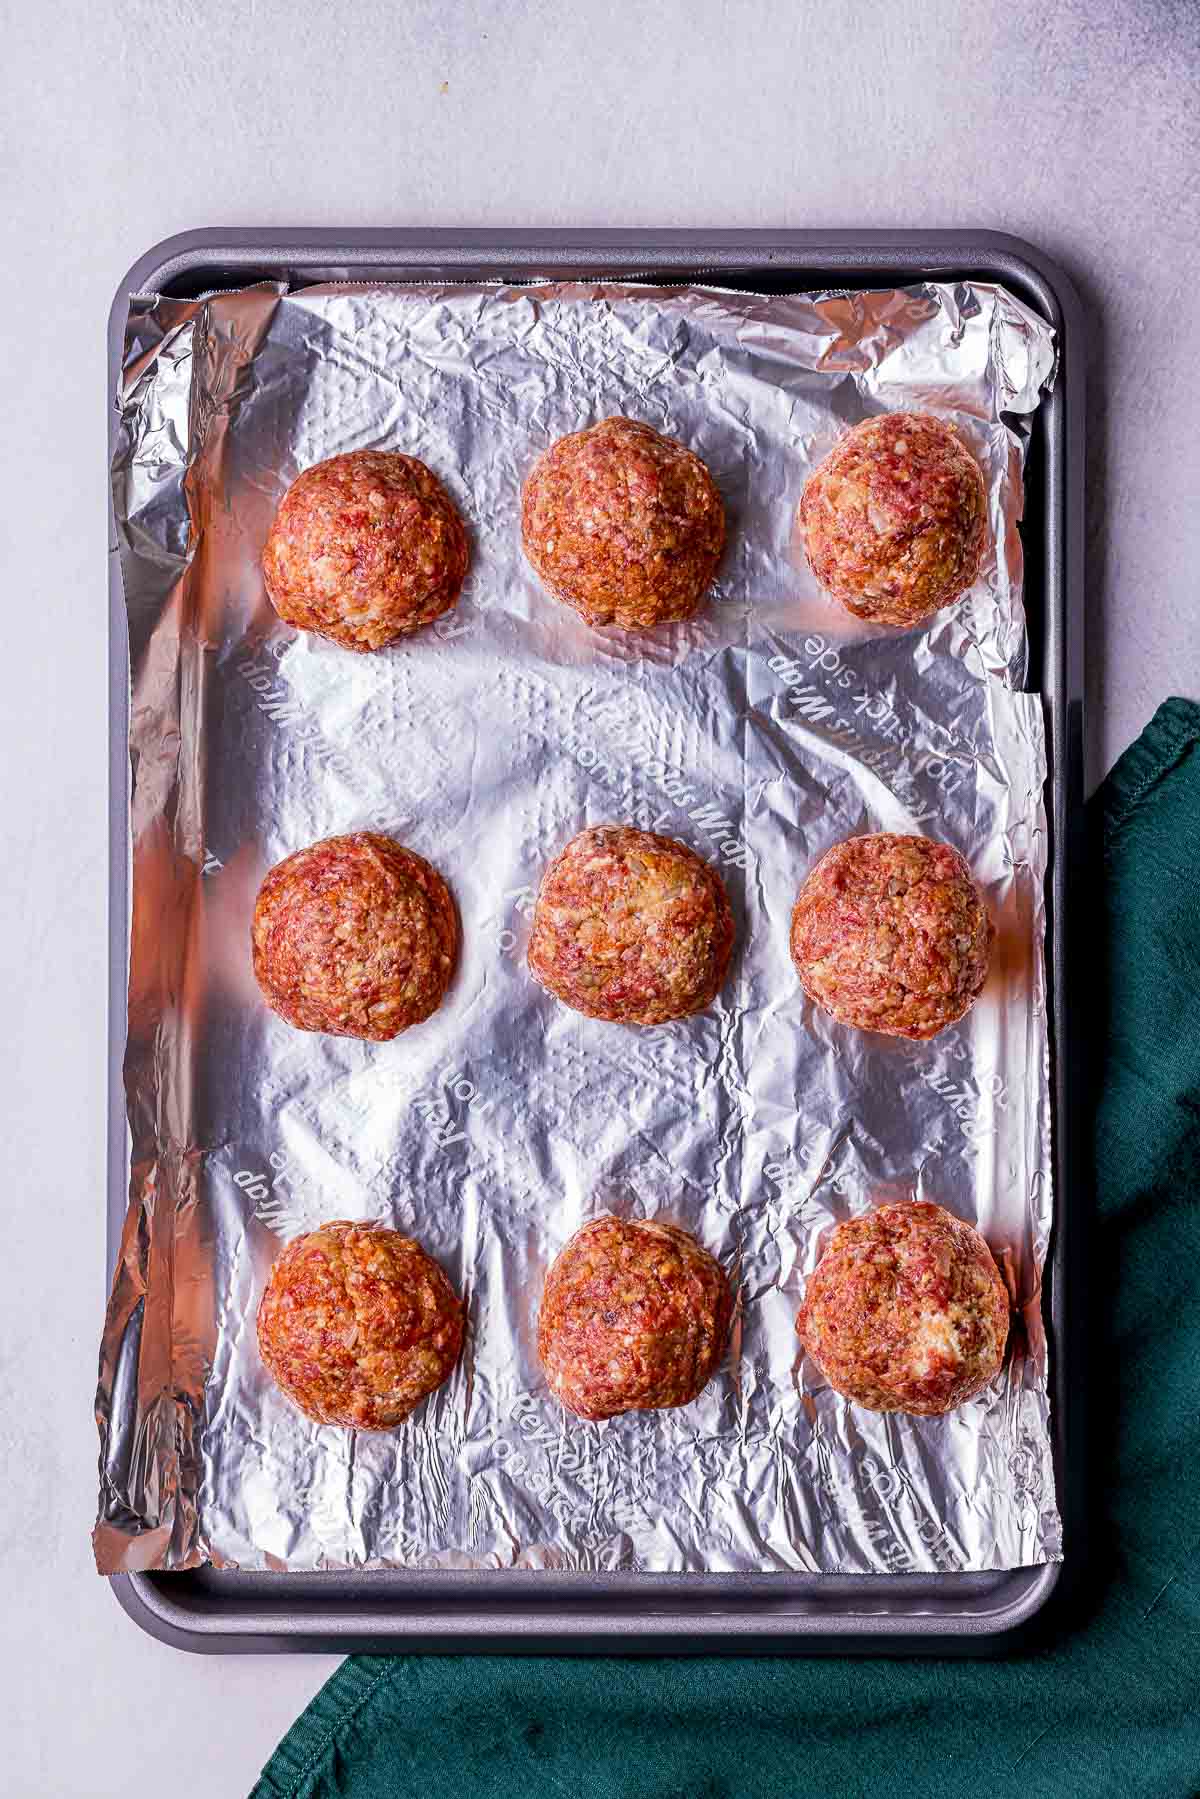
537,1610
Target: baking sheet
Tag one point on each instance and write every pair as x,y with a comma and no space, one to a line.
761,733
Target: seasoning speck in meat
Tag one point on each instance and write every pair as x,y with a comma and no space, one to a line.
364,549
891,934
906,1311
631,927
358,1325
894,521
624,525
634,1317
354,936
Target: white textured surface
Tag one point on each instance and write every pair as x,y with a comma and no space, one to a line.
1075,126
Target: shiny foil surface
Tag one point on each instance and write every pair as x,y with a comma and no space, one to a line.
764,731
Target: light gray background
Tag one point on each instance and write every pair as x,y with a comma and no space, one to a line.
1073,125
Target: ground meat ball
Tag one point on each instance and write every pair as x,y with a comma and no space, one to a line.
631,926
354,936
358,1324
634,1317
894,521
906,1311
891,934
364,549
624,525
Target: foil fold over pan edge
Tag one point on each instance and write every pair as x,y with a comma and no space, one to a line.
762,732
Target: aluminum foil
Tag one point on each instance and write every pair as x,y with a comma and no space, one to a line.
761,733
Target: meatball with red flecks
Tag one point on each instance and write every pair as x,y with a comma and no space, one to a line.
365,548
623,524
891,934
357,1325
906,1310
894,521
634,1317
631,926
355,936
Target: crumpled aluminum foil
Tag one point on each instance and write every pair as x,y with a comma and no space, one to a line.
761,733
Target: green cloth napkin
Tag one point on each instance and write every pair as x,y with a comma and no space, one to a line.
1110,1704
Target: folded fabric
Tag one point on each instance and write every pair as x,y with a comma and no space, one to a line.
1110,1705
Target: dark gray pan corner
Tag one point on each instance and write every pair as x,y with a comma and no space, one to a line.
541,1612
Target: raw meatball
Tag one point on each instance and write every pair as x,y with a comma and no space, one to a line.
364,549
631,927
634,1317
355,936
891,934
358,1324
624,525
906,1311
894,520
